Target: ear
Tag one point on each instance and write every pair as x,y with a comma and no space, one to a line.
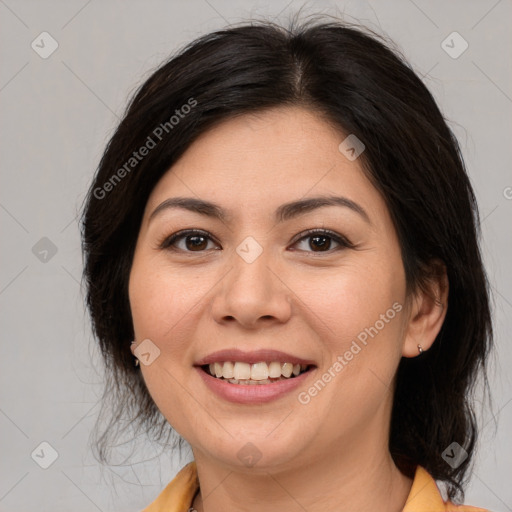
427,311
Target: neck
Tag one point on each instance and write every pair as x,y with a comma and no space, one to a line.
355,482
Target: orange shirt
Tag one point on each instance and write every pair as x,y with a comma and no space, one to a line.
423,497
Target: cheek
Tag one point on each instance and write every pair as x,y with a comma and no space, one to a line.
160,304
159,300
360,313
356,302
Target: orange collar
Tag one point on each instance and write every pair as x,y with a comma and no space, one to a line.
423,497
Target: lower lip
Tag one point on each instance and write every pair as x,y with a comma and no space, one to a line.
252,393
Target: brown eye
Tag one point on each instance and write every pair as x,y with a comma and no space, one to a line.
188,241
322,240
196,242
323,243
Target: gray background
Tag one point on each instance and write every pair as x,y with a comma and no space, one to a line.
56,116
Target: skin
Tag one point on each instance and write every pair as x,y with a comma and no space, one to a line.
332,453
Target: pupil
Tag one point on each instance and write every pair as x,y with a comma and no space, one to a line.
196,243
323,245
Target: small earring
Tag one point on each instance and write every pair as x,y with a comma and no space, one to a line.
136,360
420,349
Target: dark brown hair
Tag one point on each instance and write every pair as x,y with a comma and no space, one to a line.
354,79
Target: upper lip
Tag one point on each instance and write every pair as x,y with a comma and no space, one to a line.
252,357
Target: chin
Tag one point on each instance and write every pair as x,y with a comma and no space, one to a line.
257,451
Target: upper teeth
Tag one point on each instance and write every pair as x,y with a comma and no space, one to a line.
256,371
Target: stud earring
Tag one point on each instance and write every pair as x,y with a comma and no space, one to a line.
420,349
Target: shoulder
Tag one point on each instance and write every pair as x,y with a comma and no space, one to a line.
426,497
179,492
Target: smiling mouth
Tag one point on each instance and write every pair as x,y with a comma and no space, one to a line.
261,373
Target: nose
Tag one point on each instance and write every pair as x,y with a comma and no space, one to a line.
252,294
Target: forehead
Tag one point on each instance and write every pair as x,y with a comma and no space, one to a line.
259,161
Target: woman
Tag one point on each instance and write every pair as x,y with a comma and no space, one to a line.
282,233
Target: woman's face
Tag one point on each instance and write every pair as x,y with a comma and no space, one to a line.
252,280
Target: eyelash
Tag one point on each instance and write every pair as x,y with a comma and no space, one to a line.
341,240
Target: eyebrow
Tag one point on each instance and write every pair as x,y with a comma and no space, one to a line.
285,212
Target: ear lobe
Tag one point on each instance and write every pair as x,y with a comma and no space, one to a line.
427,311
